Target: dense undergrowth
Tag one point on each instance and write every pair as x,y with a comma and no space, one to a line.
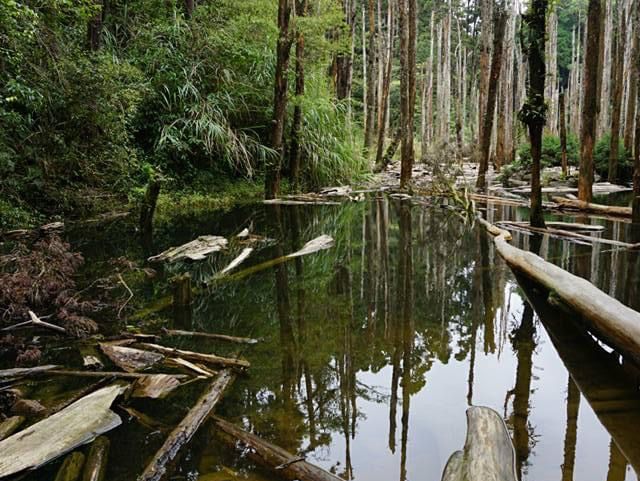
82,130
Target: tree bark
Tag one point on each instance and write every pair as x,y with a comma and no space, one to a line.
94,29
618,84
407,86
272,174
372,54
386,85
485,51
189,7
590,101
295,155
633,84
563,135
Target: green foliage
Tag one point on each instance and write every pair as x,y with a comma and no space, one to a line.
551,152
601,155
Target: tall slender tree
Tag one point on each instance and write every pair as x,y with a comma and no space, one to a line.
590,101
372,56
295,155
94,28
408,14
533,112
618,84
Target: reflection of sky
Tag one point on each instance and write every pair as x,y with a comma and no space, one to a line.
437,421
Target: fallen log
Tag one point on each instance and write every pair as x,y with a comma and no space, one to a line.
195,250
610,319
246,252
25,371
285,464
488,453
96,465
571,226
71,467
208,335
130,359
60,433
590,207
182,434
197,368
114,374
493,229
10,426
197,356
155,386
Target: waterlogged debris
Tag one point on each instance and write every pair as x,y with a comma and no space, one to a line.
196,250
28,408
209,335
25,371
60,433
155,386
197,368
183,433
488,452
96,466
10,426
198,356
130,359
36,321
246,252
320,243
299,201
595,208
71,468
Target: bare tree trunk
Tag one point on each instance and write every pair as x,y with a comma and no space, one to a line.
633,85
563,135
94,29
552,71
606,69
370,123
386,85
590,102
295,156
485,52
496,66
189,7
272,174
427,95
343,63
534,110
618,67
636,154
407,86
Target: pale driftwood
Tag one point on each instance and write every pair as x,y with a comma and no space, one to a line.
25,371
318,244
90,357
197,356
114,374
571,226
200,370
493,229
590,207
36,321
155,386
183,433
611,320
60,433
10,426
130,359
488,453
285,464
246,252
208,335
96,464
144,420
71,467
195,250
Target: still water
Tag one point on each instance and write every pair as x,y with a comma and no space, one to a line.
372,350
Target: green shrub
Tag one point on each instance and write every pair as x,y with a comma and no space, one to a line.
551,152
601,159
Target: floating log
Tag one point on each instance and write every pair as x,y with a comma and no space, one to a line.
115,374
60,433
25,371
285,464
130,359
155,386
246,252
488,452
611,320
71,468
208,335
590,207
199,369
183,433
196,250
10,426
493,229
96,465
197,356
571,226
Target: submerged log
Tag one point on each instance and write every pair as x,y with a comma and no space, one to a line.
196,250
590,207
130,359
198,356
60,433
610,319
10,426
488,453
246,252
96,465
114,374
208,335
155,386
285,464
183,433
71,468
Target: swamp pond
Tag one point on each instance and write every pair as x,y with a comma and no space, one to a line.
371,351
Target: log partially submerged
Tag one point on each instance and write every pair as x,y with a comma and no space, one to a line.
155,386
195,250
610,319
287,465
209,335
114,374
181,435
130,359
25,371
246,252
570,226
581,205
198,356
10,426
488,453
71,467
96,465
60,433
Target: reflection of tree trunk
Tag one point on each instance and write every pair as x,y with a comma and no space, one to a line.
617,464
524,344
571,432
487,296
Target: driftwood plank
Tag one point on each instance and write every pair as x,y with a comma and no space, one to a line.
155,386
60,433
198,356
183,433
208,335
130,359
25,371
195,250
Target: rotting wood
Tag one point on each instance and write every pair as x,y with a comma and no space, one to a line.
145,420
246,252
155,386
130,359
60,433
195,250
571,226
488,451
493,229
197,356
10,426
95,467
115,374
199,369
71,467
182,291
292,467
36,321
208,335
25,371
182,434
78,395
590,207
611,320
